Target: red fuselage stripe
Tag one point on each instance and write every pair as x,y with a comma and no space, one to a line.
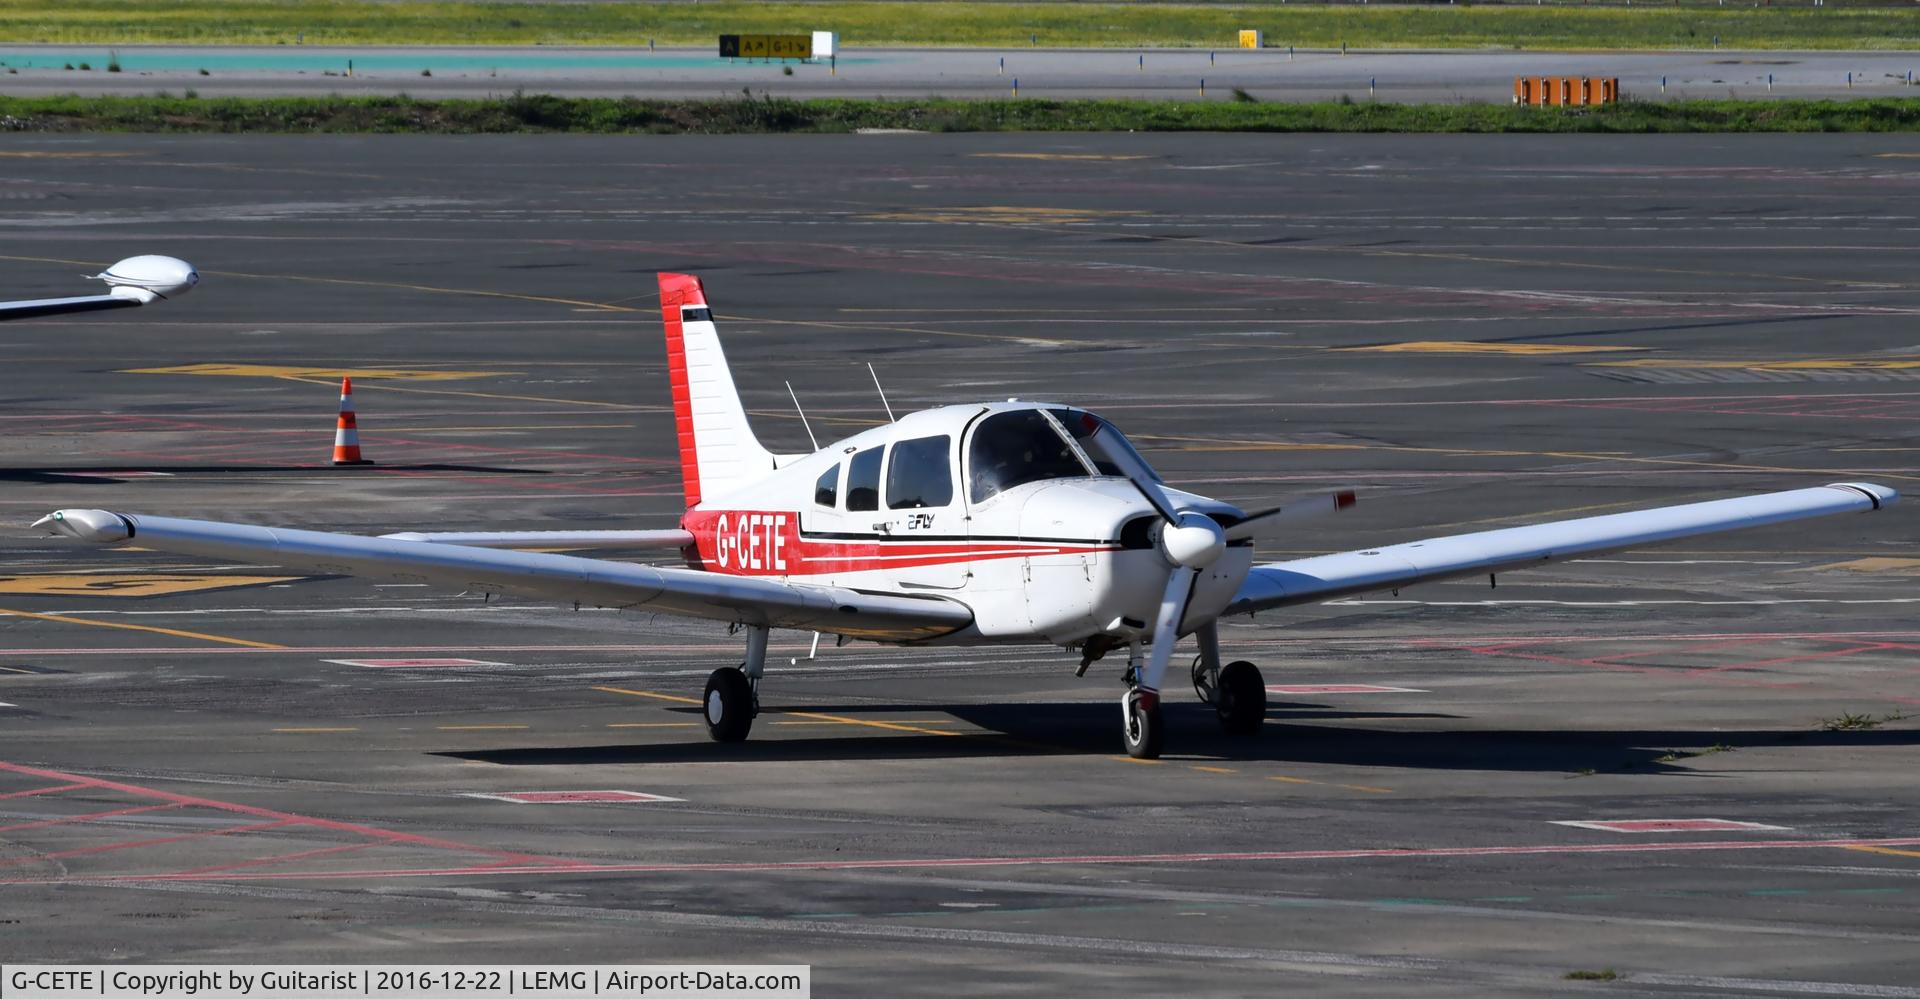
769,543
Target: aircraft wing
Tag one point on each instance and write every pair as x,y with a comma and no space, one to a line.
565,578
603,540
132,282
1325,577
61,306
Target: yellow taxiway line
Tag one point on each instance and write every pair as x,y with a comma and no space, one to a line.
175,632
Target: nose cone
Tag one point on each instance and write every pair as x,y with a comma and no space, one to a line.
1194,541
156,275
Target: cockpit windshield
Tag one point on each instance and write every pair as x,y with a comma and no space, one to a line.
1111,452
1016,447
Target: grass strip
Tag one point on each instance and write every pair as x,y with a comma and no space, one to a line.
1697,24
755,115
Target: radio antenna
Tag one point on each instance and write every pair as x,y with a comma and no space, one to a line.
883,392
803,417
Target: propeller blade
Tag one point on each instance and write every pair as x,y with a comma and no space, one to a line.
1166,627
1156,497
1318,506
1131,465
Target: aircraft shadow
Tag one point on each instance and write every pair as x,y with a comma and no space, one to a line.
1090,728
108,474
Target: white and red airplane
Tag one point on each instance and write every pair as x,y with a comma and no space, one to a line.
132,282
989,523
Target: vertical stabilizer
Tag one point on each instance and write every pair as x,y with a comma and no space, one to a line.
718,452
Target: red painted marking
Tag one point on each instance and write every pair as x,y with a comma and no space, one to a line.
89,817
1557,849
412,663
1337,688
1791,405
136,843
280,818
1672,825
52,789
1510,648
568,797
279,858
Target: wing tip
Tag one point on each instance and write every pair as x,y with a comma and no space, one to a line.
97,526
1880,495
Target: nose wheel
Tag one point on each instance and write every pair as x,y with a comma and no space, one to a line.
1142,730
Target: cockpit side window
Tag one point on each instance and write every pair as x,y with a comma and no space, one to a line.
1100,439
826,491
1013,448
920,473
863,480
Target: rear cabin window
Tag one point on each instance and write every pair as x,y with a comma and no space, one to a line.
1014,448
863,480
920,473
826,492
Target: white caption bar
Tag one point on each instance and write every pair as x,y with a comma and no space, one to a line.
264,981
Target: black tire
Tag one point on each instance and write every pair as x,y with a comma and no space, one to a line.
1241,701
1143,732
729,705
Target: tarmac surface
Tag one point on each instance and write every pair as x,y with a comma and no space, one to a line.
209,763
1448,76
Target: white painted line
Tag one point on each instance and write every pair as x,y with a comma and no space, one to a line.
1338,688
1360,602
4,704
574,797
1673,825
411,663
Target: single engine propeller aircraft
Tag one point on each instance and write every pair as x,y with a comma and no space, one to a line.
1004,522
132,282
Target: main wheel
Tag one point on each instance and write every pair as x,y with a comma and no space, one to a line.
1143,732
729,703
1241,700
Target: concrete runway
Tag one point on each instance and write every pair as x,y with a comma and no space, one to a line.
1473,331
1270,74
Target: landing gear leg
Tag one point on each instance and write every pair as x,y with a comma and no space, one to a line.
1206,665
733,692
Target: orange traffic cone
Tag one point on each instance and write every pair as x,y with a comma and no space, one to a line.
346,434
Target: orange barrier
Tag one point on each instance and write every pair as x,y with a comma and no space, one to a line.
1574,91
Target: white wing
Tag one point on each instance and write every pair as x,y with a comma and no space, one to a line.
602,540
133,282
566,578
1311,580
33,308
